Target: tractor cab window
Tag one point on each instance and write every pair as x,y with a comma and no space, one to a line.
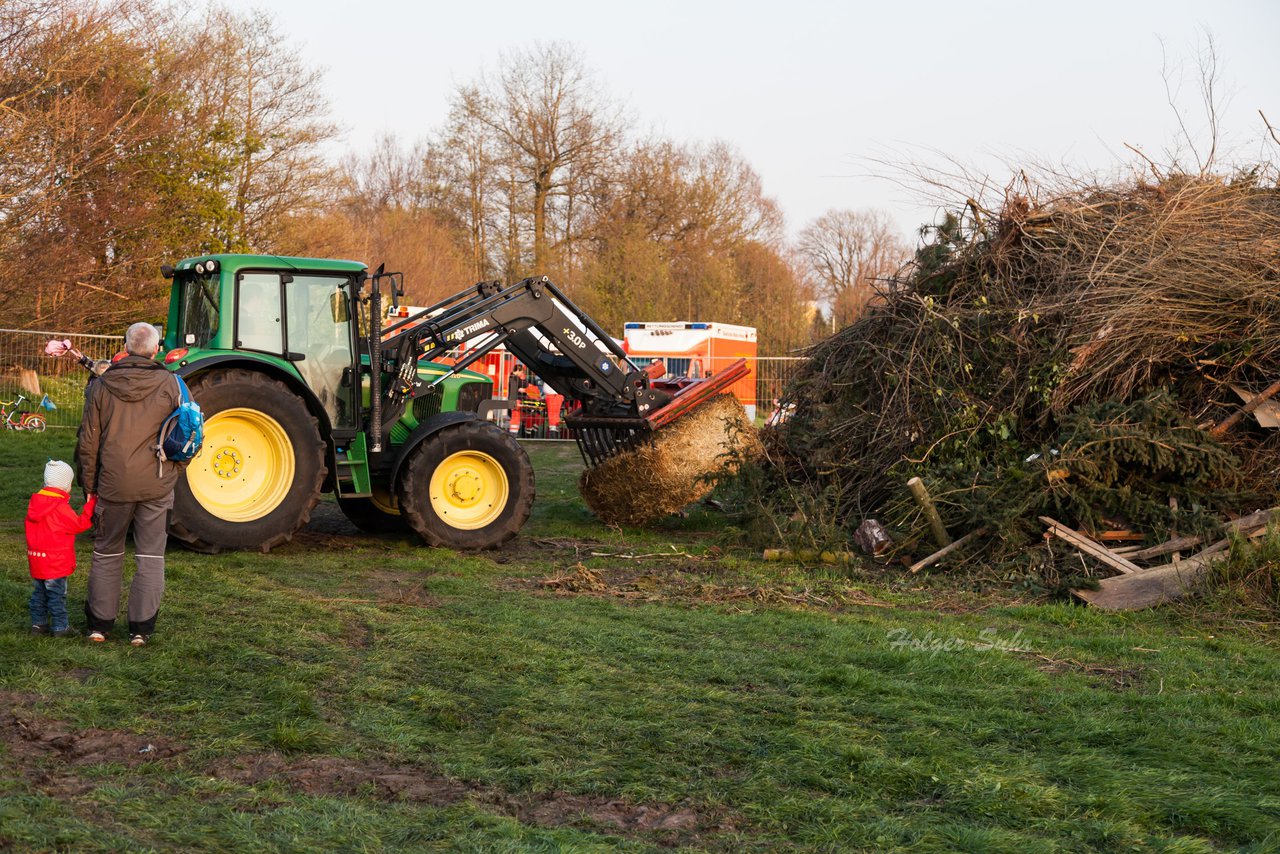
258,313
199,318
318,325
315,334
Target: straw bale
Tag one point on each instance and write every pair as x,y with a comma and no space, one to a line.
679,466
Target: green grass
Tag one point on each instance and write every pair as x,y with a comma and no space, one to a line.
780,727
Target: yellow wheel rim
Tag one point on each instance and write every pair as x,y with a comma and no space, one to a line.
245,466
469,490
385,501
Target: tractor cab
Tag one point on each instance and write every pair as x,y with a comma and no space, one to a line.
297,319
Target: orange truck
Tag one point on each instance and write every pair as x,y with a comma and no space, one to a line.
696,350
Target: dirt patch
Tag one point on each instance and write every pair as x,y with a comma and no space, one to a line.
79,674
398,592
48,753
674,584
330,775
1114,678
384,587
559,809
27,735
327,526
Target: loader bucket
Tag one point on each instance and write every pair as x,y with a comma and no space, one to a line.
600,437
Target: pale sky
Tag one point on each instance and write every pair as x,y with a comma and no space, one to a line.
813,94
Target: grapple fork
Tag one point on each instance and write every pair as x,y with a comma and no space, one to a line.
602,437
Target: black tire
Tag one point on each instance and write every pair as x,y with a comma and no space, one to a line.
370,516
484,519
239,394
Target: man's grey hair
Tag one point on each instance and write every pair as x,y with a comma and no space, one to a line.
142,339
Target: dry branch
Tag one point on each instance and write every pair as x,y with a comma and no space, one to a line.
947,549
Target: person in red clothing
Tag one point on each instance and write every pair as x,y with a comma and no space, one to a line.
51,548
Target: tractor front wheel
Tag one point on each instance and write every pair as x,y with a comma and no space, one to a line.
260,470
377,515
470,486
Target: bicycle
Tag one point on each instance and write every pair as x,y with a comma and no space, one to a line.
31,421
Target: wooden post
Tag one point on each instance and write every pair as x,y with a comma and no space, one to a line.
921,494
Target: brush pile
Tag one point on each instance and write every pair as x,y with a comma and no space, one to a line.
1059,357
680,465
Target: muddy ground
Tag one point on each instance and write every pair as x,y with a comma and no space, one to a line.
53,757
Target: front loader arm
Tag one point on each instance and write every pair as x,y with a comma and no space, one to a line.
542,327
620,407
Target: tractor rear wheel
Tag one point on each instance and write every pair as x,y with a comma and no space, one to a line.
470,486
377,515
260,470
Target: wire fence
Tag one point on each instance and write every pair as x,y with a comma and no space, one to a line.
54,387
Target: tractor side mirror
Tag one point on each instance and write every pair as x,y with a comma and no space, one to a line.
339,308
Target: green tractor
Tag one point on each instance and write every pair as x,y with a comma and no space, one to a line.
307,387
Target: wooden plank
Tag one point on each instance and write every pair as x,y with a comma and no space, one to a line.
1158,585
1167,547
946,550
1145,589
1089,547
1117,536
1152,587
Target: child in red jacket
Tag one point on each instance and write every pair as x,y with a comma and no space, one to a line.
51,548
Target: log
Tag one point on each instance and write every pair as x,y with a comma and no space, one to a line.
921,494
1089,547
809,556
947,549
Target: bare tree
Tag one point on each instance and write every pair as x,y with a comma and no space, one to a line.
686,233
462,168
553,131
847,251
263,117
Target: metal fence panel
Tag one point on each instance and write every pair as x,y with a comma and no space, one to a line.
52,387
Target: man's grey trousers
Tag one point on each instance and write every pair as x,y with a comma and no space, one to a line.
150,520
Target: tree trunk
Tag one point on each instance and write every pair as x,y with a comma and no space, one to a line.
541,189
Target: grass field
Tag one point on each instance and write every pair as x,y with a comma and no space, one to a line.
597,689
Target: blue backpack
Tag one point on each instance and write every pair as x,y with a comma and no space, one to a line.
182,433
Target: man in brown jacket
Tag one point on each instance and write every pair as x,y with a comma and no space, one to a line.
117,455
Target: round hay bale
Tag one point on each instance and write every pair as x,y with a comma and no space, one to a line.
679,466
